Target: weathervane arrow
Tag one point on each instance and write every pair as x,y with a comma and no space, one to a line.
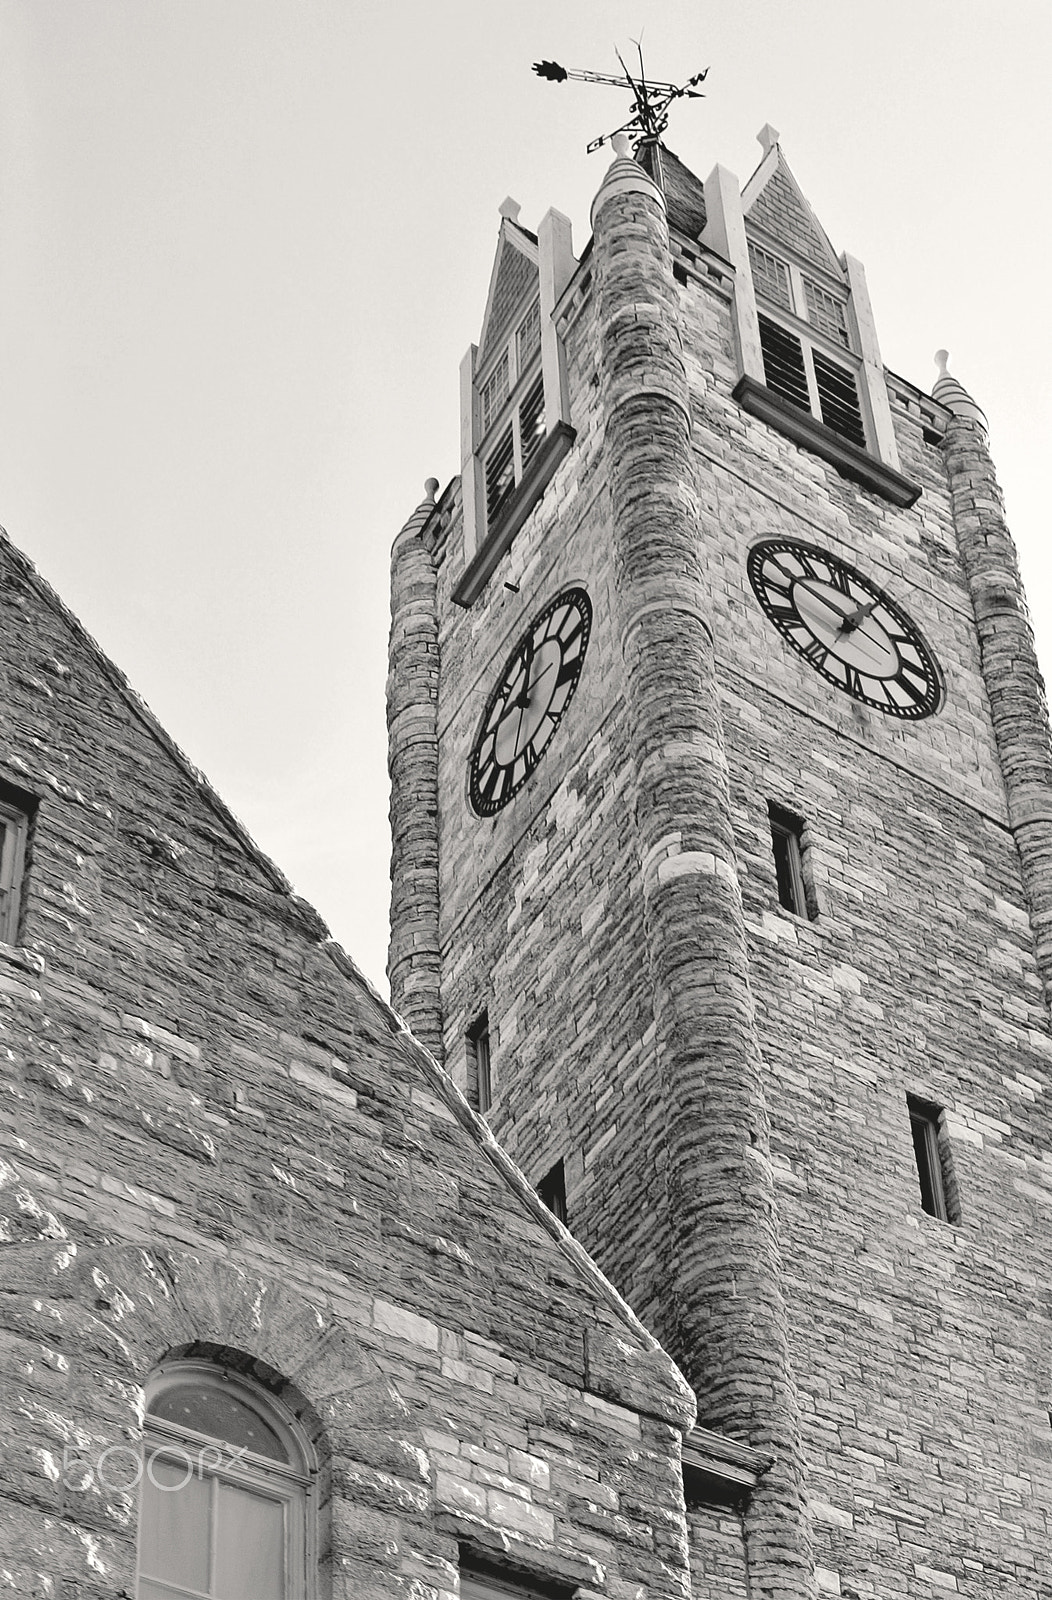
651,101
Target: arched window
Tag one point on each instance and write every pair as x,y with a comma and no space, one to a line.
226,1497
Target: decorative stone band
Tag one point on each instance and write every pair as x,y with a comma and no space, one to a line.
624,176
661,605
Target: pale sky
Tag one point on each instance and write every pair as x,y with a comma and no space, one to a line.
244,245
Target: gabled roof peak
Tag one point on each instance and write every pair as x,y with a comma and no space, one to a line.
773,200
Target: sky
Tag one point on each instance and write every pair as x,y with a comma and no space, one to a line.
244,245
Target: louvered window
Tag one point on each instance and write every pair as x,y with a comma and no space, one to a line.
783,363
500,473
511,403
838,400
795,366
531,420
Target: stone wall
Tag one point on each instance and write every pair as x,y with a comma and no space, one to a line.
919,1347
217,1140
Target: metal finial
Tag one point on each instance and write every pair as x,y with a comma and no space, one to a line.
651,101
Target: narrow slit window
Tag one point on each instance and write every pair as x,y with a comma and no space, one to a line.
932,1156
480,1069
552,1190
789,847
16,812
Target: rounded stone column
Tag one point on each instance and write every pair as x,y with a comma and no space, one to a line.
728,1326
1014,684
413,961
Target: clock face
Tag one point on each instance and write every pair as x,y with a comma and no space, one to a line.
528,701
847,628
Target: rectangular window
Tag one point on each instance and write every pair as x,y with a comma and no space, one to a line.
934,1171
789,846
480,1070
770,276
15,815
825,311
528,338
838,400
495,391
531,420
552,1190
480,1584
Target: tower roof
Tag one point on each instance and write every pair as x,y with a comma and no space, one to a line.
684,193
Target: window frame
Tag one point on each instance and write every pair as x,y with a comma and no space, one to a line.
932,1160
795,887
796,320
17,811
293,1484
480,1063
521,358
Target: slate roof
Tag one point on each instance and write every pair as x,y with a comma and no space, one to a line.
684,193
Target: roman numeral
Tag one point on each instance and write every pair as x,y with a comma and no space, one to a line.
490,783
816,652
841,581
916,691
790,577
572,633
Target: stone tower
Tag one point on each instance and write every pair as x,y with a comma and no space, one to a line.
722,880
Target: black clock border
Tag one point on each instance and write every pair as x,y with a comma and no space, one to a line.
915,713
575,595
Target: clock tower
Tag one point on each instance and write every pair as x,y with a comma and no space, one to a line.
722,872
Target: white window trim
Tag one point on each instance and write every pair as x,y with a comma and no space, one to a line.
295,1484
15,820
555,264
725,232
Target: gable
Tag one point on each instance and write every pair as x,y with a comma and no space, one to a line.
779,208
219,1069
514,274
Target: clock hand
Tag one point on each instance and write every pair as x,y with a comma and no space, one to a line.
855,618
523,698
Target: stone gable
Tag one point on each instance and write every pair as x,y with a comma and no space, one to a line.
218,1141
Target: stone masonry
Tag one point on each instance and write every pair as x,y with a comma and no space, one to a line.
726,1083
218,1142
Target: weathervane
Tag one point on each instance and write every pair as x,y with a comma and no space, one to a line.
649,117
